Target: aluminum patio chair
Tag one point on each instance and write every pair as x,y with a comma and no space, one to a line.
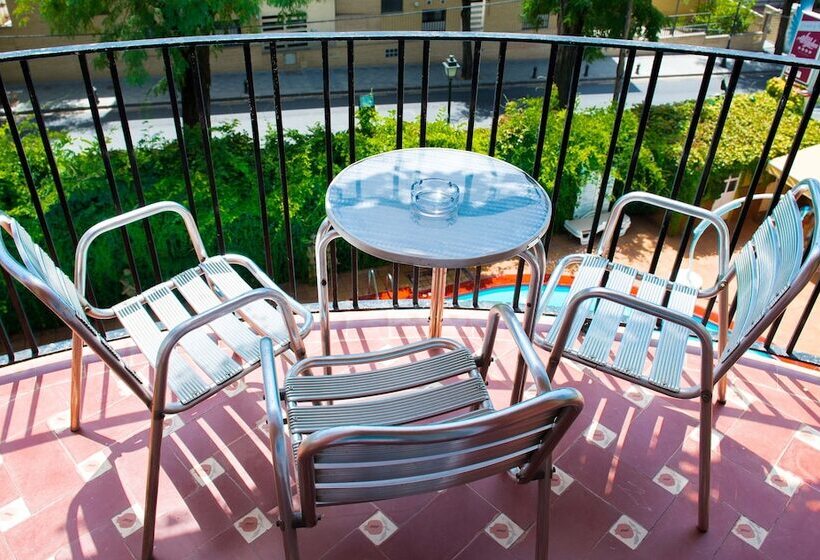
408,429
610,320
193,356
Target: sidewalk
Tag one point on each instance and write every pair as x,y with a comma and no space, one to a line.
230,87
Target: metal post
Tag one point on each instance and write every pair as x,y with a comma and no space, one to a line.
437,301
449,98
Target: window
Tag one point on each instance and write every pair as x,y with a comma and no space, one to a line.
290,23
434,20
731,184
542,23
391,6
391,53
227,27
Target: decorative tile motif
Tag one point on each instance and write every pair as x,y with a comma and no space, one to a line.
235,388
717,437
741,398
128,522
749,532
171,424
503,530
670,480
207,471
628,531
639,396
378,528
785,481
252,524
529,392
59,422
560,481
123,390
13,513
809,435
94,466
600,435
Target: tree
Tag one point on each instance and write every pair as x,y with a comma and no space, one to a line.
117,20
593,18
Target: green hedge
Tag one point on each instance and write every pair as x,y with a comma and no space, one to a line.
90,200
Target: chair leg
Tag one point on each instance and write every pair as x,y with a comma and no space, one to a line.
705,470
152,485
542,527
76,381
722,386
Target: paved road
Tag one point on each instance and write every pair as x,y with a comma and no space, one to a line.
303,111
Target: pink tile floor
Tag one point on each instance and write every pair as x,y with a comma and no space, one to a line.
624,488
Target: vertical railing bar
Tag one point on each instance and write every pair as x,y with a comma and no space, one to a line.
334,263
795,147
395,285
476,285
17,305
109,172
180,134
562,153
283,171
52,162
4,338
400,97
415,286
539,151
204,124
26,169
680,172
473,94
257,157
425,80
351,138
636,151
456,284
545,109
804,317
710,159
613,144
132,163
499,91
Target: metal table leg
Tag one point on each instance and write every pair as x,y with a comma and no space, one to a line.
324,236
437,301
536,257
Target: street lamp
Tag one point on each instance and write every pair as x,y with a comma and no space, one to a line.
451,67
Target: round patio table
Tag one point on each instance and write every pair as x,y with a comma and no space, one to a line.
436,208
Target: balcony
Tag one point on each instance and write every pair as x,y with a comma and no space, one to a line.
625,488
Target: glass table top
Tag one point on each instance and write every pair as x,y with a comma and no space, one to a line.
436,207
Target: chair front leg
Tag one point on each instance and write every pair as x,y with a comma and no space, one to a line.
705,460
76,381
152,484
542,527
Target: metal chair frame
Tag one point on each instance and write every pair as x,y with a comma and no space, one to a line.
374,462
67,300
747,328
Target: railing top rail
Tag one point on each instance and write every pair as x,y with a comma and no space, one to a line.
314,36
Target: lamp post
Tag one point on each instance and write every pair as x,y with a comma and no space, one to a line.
451,67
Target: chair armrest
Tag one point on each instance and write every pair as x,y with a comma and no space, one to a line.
525,347
674,206
631,302
81,255
175,334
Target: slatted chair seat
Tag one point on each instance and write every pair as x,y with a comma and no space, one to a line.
199,331
406,429
637,326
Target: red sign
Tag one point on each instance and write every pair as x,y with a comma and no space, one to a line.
807,44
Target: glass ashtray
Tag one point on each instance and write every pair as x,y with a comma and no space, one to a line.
434,197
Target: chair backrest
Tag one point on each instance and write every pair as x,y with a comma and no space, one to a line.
360,463
43,278
773,267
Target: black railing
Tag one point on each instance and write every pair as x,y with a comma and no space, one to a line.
272,174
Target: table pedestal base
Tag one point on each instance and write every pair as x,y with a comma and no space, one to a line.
437,293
